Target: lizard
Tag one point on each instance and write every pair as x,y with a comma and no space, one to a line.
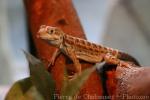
80,49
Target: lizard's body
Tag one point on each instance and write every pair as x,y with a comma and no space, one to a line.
77,48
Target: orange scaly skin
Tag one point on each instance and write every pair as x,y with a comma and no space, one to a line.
77,48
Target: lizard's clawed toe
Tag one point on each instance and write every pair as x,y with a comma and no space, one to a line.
71,77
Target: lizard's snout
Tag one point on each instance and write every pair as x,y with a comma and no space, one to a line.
39,33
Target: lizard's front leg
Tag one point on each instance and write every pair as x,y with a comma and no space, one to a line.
54,56
72,56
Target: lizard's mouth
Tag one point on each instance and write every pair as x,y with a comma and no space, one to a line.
53,40
46,37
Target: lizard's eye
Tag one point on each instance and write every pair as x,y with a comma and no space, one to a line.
51,31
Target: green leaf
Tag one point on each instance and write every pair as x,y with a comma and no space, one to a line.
72,87
23,90
41,78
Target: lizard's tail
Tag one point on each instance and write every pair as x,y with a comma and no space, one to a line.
127,57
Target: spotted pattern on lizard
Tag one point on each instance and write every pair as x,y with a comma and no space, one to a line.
79,49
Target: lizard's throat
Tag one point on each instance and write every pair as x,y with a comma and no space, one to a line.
55,43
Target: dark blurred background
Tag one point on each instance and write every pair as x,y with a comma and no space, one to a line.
121,24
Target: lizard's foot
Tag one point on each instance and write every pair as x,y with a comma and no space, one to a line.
51,63
71,77
113,60
49,67
124,64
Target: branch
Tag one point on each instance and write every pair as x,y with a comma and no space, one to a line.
59,13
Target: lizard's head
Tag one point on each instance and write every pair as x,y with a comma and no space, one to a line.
52,35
